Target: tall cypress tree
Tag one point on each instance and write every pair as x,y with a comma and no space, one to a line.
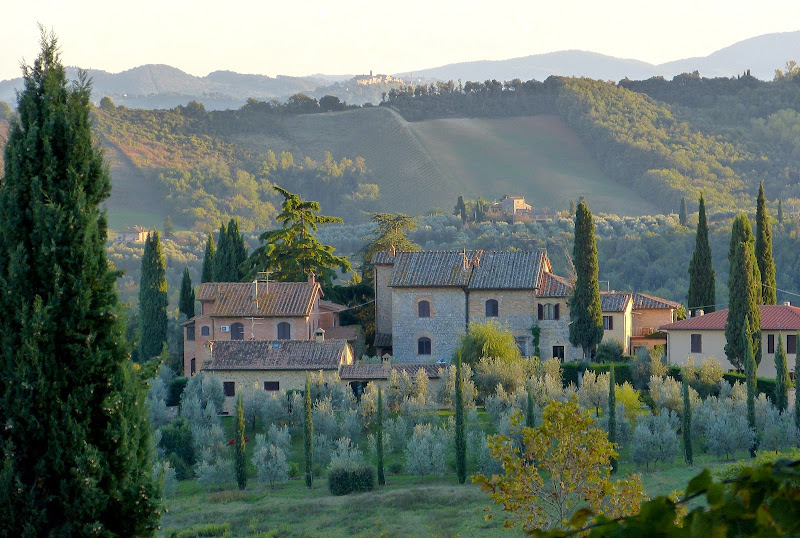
219,272
207,274
238,251
241,464
379,433
766,263
153,299
612,413
780,212
461,441
683,218
186,299
781,377
308,434
686,426
75,441
586,317
744,290
750,381
702,289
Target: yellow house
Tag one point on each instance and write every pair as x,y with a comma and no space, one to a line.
631,317
273,365
703,336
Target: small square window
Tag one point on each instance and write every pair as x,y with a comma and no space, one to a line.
272,385
697,343
558,353
229,387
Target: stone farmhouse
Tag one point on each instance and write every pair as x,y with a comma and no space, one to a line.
425,300
137,234
703,336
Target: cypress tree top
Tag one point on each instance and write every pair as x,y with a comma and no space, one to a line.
744,289
702,288
766,263
75,439
586,327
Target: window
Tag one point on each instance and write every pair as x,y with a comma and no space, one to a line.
205,330
190,332
192,366
791,343
492,308
522,345
549,311
237,331
697,343
770,343
229,387
272,385
558,353
424,309
284,330
424,346
608,323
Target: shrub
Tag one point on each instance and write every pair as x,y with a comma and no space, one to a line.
345,454
609,351
654,438
176,438
779,432
351,424
425,452
593,391
705,379
271,463
165,474
395,467
666,393
629,397
176,386
279,436
510,373
728,432
445,396
321,449
324,419
215,476
397,429
345,480
763,457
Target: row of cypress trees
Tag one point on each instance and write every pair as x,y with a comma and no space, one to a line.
222,261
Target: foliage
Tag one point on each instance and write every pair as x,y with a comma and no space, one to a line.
447,386
781,376
655,439
76,452
270,462
744,289
609,351
611,427
666,393
702,289
730,432
593,391
425,452
230,254
186,299
308,433
750,383
345,480
292,251
763,250
705,379
585,313
564,467
390,234
487,341
176,438
686,424
152,300
460,440
217,475
511,374
241,462
207,272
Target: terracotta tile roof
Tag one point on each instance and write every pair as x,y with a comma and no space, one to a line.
276,355
343,332
551,285
773,318
517,270
437,268
644,301
330,306
383,339
614,301
377,371
274,299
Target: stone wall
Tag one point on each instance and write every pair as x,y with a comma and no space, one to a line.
516,311
446,324
556,333
383,299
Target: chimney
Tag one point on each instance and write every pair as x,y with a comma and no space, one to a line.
386,361
254,291
699,312
476,260
319,335
311,277
787,303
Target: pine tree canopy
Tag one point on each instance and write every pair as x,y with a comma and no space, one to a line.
702,288
766,263
744,289
585,313
75,439
292,251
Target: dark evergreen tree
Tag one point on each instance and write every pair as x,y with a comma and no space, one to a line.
241,463
686,425
169,230
766,263
292,251
780,212
782,380
461,209
153,300
572,207
744,290
379,433
238,251
797,382
186,299
461,440
222,257
207,274
683,218
750,382
75,438
308,433
586,317
529,416
702,289
612,413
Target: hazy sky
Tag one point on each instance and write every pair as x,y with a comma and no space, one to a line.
297,37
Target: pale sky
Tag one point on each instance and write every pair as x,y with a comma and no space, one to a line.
298,37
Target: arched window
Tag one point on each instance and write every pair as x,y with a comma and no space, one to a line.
424,346
424,309
205,330
491,308
284,331
237,331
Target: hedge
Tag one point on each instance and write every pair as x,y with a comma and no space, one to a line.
571,371
763,385
344,480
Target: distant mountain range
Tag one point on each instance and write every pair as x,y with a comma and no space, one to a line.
162,86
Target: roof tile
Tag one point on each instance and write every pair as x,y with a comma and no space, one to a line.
274,298
378,371
773,318
276,355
